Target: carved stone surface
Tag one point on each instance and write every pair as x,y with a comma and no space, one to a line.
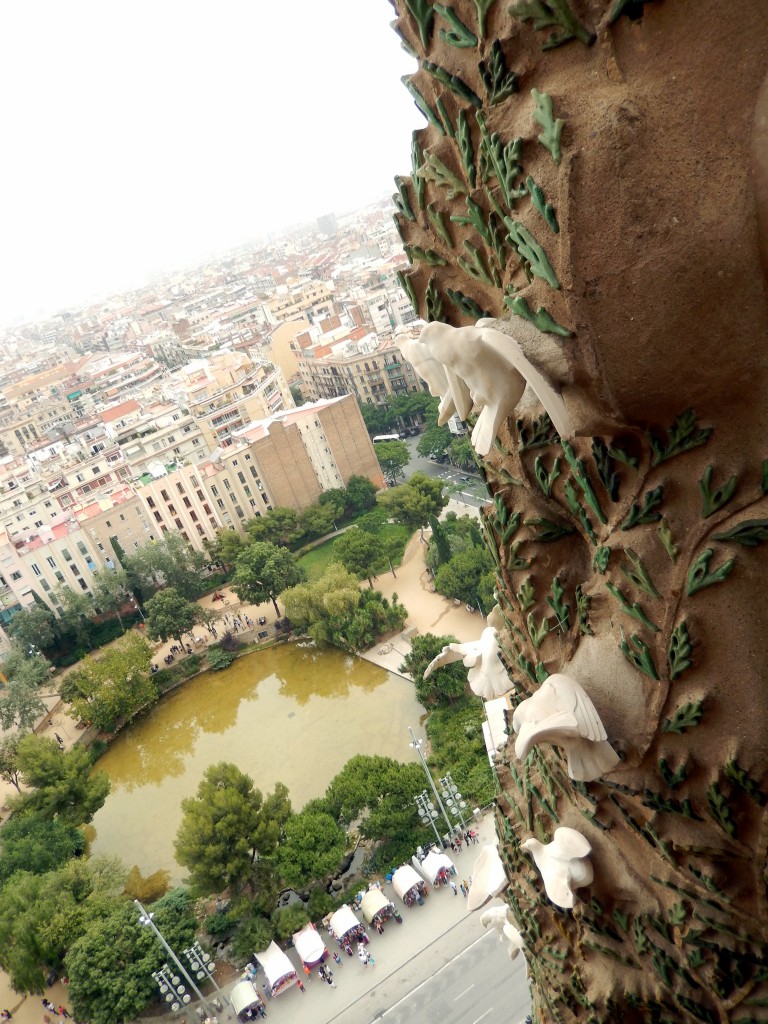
600,168
486,675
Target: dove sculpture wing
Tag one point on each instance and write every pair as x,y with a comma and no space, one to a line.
449,654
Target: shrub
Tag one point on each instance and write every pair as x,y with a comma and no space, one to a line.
288,920
219,924
218,658
229,642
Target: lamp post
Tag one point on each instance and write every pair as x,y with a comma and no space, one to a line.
136,605
416,744
201,964
453,798
171,988
146,919
427,812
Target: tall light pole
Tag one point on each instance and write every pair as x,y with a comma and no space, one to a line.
146,919
201,964
416,744
171,988
453,798
427,813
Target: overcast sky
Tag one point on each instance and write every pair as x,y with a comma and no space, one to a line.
140,136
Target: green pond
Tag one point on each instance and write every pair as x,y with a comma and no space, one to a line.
287,714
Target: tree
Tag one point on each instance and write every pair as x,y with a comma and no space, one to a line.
378,419
313,847
110,966
229,544
361,553
41,916
263,571
32,669
314,606
278,526
76,613
168,561
33,627
225,829
169,614
379,791
361,494
414,502
468,576
31,843
439,541
434,442
61,784
20,705
445,684
320,519
298,399
9,759
462,453
111,589
287,920
393,457
113,687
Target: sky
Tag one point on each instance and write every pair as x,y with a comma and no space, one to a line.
138,137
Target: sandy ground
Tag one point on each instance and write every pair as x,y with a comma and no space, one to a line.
428,612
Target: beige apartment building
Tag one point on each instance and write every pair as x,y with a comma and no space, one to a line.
371,377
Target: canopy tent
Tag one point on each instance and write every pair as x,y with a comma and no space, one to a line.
278,968
433,863
309,945
373,902
244,997
404,879
343,921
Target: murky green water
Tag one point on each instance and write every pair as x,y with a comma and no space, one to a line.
286,714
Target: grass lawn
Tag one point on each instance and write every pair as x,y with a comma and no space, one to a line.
316,561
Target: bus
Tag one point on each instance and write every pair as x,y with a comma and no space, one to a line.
386,437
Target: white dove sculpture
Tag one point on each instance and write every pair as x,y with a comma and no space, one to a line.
434,373
486,674
501,919
563,864
561,713
494,370
488,877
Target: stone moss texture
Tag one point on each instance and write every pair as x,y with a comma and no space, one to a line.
595,174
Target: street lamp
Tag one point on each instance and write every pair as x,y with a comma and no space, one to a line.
171,988
453,798
201,964
427,812
146,919
136,605
416,744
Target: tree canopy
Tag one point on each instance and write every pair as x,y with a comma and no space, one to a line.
226,827
313,847
380,790
393,457
170,614
38,845
115,685
360,552
168,561
263,571
61,784
414,502
445,684
33,627
279,526
20,705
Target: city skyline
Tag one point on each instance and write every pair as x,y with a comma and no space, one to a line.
140,144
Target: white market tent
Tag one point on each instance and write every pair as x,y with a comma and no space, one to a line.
405,878
432,864
373,901
309,945
244,997
278,968
343,921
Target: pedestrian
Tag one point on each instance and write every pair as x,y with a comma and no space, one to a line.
465,883
300,983
463,889
453,886
6,1014
63,1011
337,958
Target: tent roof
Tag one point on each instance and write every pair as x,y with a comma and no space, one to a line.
373,901
244,995
275,963
432,864
308,944
404,879
343,921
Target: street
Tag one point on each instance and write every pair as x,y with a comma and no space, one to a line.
465,486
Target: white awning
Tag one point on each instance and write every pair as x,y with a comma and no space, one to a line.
404,879
373,901
244,996
309,945
343,921
432,864
278,968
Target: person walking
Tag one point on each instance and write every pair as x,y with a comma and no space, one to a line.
453,886
300,983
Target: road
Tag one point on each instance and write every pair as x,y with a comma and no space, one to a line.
461,485
480,984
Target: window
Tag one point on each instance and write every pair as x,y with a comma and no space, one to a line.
67,555
233,498
109,524
239,512
193,516
17,575
45,584
253,472
83,584
200,495
51,561
164,495
240,477
207,509
35,569
185,536
200,530
151,502
247,458
172,510
122,518
178,523
228,485
75,570
100,547
214,491
220,502
266,499
187,503
82,548
158,517
180,488
59,576
234,462
194,481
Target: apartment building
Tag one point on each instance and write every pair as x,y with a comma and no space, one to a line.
371,377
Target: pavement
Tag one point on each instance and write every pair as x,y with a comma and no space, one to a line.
466,487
